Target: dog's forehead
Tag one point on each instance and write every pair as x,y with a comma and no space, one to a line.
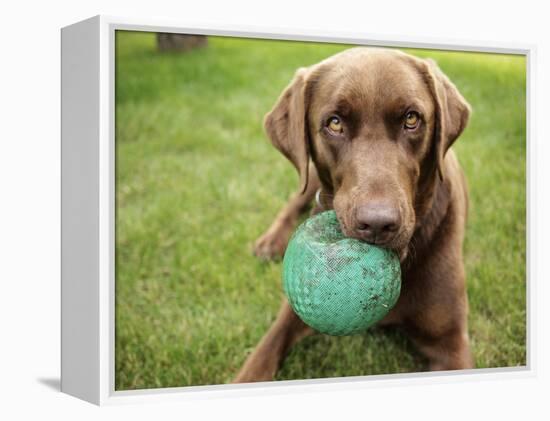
371,76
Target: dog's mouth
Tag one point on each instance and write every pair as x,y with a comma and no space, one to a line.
399,243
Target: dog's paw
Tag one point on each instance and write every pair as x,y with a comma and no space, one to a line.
272,244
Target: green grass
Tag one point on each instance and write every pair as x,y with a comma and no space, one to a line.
197,182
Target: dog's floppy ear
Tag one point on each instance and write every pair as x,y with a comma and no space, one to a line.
286,125
451,111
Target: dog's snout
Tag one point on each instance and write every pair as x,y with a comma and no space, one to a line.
377,222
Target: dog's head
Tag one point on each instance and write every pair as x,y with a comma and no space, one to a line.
376,124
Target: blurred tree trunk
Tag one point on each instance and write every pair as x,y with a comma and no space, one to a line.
180,42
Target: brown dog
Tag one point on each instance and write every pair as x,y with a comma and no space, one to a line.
377,125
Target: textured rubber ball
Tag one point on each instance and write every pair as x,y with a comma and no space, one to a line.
338,285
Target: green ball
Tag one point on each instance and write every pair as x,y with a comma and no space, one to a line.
338,285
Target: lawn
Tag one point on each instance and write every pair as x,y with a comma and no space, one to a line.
197,182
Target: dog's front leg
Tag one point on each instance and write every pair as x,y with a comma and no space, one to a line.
266,358
272,244
439,327
450,351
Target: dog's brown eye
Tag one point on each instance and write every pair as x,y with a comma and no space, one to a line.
412,120
335,125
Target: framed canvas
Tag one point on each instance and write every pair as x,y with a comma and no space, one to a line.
176,211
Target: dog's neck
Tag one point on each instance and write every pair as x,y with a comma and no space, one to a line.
431,215
323,200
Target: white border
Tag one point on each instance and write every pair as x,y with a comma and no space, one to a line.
107,394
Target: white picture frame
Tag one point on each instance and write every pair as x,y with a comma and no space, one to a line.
88,278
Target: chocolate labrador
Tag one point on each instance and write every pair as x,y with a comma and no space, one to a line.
369,131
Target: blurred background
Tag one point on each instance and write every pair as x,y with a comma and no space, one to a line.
197,182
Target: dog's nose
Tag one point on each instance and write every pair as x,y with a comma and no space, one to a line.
377,222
